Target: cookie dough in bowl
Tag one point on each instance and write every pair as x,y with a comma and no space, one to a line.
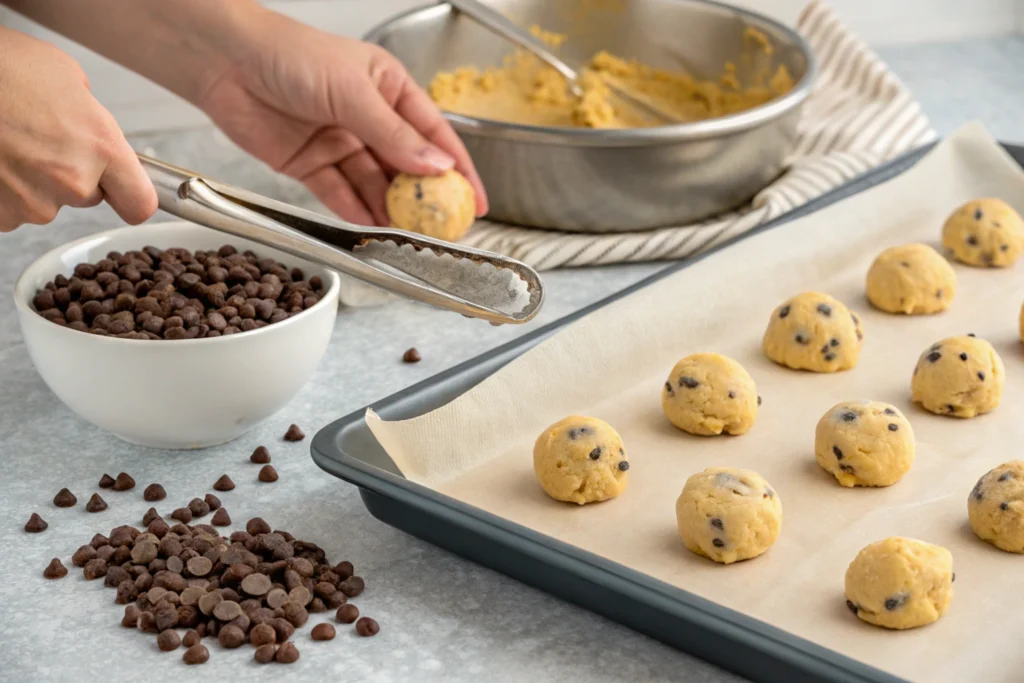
813,331
707,394
441,206
912,279
900,583
984,232
958,376
728,514
995,507
864,443
580,460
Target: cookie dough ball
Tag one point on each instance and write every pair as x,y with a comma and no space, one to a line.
900,583
728,514
580,460
814,332
959,376
707,394
441,206
912,279
864,443
984,232
996,507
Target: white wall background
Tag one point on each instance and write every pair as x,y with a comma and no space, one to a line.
141,106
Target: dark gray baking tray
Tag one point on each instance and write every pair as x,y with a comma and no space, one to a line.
347,449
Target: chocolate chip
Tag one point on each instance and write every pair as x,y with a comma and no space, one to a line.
352,586
893,427
183,515
825,310
123,482
934,356
224,483
212,501
972,240
595,454
323,631
577,432
759,399
265,653
99,540
971,334
848,416
55,570
1002,506
168,640
1005,475
294,434
896,601
35,524
64,499
623,465
366,627
824,349
83,555
151,516
256,526
938,293
260,456
732,394
669,390
981,375
889,411
256,584
784,311
801,339
198,507
106,481
153,493
131,616
287,653
96,504
197,654
230,636
268,474
221,518
199,566
852,606
847,468
688,382
718,543
977,214
226,610
1004,247
411,356
950,408
829,357
837,452
347,614
717,523
94,569
988,257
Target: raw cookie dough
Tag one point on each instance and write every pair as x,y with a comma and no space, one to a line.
864,443
728,514
707,394
441,206
580,460
958,376
912,279
996,507
527,91
900,583
815,332
984,232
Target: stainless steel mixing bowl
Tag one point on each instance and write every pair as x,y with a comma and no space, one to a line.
588,180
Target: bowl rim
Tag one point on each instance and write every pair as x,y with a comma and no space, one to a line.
23,295
633,137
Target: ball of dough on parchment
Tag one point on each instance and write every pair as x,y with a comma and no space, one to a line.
995,507
984,232
900,583
441,206
707,394
912,279
728,514
864,443
580,460
958,376
815,332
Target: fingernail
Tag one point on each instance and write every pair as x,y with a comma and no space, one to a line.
434,157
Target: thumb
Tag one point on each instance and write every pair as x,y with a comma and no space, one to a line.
393,139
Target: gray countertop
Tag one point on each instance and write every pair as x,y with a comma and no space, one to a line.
442,618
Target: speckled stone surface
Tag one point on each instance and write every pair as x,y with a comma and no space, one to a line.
442,618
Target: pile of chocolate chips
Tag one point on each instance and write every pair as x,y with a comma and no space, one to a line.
176,294
258,586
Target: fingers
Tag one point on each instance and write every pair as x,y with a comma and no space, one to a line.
334,190
369,181
126,186
416,107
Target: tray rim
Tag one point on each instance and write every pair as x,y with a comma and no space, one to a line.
721,621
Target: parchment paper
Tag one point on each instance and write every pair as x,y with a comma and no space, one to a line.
612,364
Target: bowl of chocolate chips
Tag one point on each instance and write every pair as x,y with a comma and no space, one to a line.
172,335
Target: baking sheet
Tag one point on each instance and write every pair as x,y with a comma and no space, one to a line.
612,363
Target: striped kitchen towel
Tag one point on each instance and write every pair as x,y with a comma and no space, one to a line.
858,116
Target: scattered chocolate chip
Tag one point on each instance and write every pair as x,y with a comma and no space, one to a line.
183,515
123,482
688,382
352,586
64,499
230,636
168,640
268,474
287,653
96,504
784,311
265,653
224,483
323,631
623,465
83,555
411,356
294,434
55,570
153,493
260,456
347,614
850,605
131,616
197,654
94,569
366,627
221,518
893,427
106,481
212,501
151,516
35,524
933,356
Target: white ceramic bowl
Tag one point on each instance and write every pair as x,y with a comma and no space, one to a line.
187,393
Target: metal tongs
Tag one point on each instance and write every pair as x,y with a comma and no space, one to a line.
475,283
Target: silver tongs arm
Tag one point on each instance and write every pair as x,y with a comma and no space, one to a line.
472,282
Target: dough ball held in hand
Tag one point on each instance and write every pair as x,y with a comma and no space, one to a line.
707,394
815,332
581,460
864,443
958,376
984,232
995,507
912,279
728,514
441,206
900,583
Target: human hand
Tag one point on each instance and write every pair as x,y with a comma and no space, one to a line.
58,145
341,115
